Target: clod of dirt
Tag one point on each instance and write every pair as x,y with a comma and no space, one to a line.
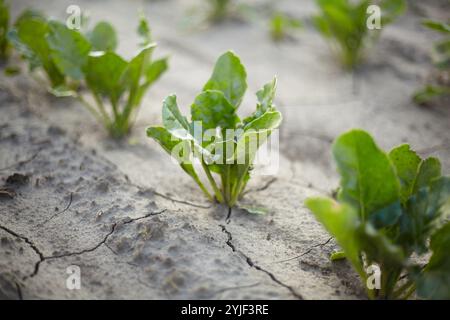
18,179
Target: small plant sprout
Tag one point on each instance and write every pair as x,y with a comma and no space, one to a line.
4,27
71,58
388,207
216,137
281,26
345,24
220,9
441,82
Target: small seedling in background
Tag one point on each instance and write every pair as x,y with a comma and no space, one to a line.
29,38
389,206
441,82
224,145
219,9
344,24
282,26
70,58
4,27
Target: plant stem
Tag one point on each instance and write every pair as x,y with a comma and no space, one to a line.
104,119
212,182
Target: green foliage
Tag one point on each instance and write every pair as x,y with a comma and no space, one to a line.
224,145
441,85
344,24
219,9
4,27
388,207
69,58
281,26
29,37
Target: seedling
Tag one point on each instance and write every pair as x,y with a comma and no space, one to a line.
441,85
224,145
4,27
70,58
220,9
344,24
388,207
281,26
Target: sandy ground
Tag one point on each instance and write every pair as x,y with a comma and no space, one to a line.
138,227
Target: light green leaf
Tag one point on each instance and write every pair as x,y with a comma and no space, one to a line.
342,222
172,117
368,179
103,37
406,163
229,76
69,49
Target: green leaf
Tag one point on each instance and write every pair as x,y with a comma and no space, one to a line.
342,222
4,27
229,76
172,117
437,26
144,30
268,121
103,37
169,143
434,282
406,163
368,179
422,212
429,93
379,248
429,170
265,100
69,49
213,110
29,38
103,74
155,70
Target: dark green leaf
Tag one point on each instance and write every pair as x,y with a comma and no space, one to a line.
434,283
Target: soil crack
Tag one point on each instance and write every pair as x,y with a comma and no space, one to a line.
43,258
307,251
257,267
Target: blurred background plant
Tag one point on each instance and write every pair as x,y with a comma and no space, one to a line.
344,24
4,27
282,26
439,86
75,62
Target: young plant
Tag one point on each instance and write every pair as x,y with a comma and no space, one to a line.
441,85
344,24
4,27
281,26
28,36
220,9
388,207
224,145
70,58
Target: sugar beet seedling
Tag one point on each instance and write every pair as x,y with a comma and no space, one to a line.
72,59
388,207
344,24
224,145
